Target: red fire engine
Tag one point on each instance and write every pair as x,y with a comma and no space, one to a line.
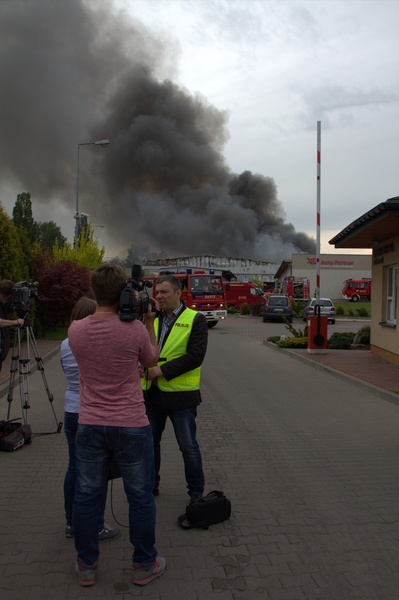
357,289
296,288
200,291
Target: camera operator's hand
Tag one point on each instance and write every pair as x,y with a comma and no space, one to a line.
152,311
10,322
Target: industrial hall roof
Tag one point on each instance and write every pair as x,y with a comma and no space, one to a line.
371,229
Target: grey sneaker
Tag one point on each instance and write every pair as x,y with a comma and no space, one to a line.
86,576
69,531
144,576
108,533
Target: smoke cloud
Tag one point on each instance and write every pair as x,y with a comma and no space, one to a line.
76,71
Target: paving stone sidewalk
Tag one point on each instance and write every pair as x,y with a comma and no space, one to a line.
313,485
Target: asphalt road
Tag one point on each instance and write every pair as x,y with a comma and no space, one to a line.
309,464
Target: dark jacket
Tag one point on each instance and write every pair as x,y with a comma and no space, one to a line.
193,358
4,332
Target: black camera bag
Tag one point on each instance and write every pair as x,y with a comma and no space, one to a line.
209,510
14,435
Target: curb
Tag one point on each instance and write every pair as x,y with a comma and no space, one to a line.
381,393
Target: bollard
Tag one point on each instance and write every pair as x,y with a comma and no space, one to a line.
317,332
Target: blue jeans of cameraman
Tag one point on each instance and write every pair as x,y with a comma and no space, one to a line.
185,428
132,450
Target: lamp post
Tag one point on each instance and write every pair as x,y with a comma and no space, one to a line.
102,143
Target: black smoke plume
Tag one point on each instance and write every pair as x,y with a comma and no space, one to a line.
75,71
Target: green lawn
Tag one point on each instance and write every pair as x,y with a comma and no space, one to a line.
346,308
59,334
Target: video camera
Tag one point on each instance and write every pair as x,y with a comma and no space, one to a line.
22,294
132,307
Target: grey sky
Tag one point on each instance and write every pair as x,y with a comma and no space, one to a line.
251,78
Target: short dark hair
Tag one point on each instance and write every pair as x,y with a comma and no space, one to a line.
174,282
107,282
6,286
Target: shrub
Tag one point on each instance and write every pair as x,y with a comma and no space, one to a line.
363,336
245,309
340,311
297,333
341,341
257,309
232,310
297,305
362,312
274,338
290,342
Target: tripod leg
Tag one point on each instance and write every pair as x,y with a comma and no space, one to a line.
13,369
40,367
24,371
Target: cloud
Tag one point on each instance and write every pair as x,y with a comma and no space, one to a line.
77,72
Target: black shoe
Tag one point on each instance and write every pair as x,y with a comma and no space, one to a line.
195,496
155,491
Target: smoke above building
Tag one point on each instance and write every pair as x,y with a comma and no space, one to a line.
74,72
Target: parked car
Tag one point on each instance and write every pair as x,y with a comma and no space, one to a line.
326,308
277,307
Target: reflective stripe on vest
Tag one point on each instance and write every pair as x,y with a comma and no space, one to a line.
174,347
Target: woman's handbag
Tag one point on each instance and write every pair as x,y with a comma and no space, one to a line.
212,508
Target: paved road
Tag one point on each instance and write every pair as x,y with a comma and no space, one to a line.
310,468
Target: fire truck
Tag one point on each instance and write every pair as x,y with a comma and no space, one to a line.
296,288
243,292
201,291
357,289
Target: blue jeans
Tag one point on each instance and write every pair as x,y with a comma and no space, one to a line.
132,450
185,428
70,429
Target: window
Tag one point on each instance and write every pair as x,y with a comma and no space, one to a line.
392,293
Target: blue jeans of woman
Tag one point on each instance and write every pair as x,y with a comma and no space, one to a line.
70,429
185,428
132,450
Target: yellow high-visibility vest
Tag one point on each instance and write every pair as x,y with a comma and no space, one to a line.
174,347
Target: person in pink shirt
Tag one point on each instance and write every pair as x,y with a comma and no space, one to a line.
113,425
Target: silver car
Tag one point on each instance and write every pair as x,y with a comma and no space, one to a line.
326,308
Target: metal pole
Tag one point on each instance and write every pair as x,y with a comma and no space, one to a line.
77,200
317,290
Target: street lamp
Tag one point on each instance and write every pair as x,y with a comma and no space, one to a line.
102,143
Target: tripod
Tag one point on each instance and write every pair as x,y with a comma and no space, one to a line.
22,366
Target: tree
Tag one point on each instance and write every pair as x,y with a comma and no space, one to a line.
49,234
22,215
12,261
60,286
85,252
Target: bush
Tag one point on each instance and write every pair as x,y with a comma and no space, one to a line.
245,309
274,338
291,342
232,310
297,305
257,309
296,333
341,341
340,311
362,312
363,336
